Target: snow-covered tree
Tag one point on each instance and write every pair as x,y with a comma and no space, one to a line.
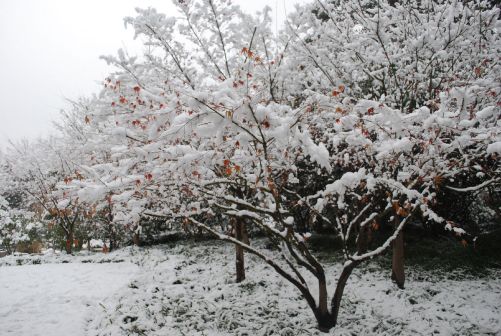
221,126
404,53
19,229
40,171
209,128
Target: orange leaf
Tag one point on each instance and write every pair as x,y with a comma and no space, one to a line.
402,212
438,180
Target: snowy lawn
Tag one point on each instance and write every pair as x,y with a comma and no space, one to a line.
189,289
193,292
56,299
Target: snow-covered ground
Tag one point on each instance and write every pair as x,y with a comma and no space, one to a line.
189,289
56,299
193,293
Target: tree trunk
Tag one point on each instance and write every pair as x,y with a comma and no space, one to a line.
325,322
324,318
112,239
245,234
135,239
341,284
111,231
69,242
238,227
363,239
397,270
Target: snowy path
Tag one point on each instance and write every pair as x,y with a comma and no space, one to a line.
55,299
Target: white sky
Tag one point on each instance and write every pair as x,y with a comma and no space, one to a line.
49,50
